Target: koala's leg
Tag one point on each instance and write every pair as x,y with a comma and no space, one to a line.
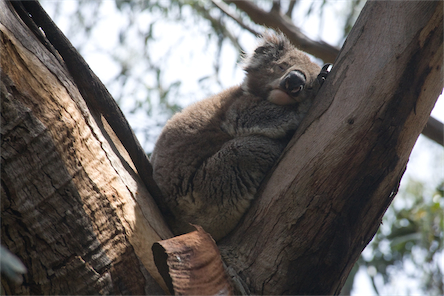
225,184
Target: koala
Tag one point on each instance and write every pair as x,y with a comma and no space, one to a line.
211,158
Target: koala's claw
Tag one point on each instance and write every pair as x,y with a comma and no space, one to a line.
324,73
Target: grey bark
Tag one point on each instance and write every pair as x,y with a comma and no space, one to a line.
326,197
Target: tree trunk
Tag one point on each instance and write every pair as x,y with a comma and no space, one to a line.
326,197
73,207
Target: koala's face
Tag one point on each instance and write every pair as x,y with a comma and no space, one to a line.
280,73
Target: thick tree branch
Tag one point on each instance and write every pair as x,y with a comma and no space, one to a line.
71,201
325,200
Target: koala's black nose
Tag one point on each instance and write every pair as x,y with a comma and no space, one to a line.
293,82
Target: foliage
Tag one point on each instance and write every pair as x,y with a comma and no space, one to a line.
412,235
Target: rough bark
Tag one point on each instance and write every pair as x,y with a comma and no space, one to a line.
73,209
325,199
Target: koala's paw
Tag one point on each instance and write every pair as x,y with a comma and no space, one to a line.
324,73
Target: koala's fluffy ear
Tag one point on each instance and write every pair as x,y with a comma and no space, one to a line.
272,45
269,49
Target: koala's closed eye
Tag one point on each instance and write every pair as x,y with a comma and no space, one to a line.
282,67
211,158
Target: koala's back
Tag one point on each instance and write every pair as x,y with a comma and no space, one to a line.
188,138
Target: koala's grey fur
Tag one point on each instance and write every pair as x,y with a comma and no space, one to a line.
211,158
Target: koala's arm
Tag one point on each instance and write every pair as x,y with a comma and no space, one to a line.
264,118
225,184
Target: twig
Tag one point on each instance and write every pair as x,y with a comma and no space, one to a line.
290,8
225,9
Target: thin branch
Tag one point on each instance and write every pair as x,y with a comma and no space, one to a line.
276,20
290,8
217,25
434,130
276,6
226,9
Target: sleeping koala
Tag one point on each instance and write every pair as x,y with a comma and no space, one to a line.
211,158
